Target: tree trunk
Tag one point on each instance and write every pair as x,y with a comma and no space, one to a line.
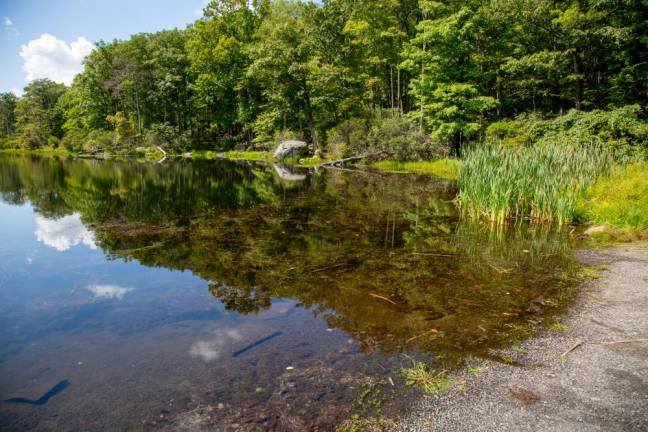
391,85
579,81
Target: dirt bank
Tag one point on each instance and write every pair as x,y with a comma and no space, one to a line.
601,385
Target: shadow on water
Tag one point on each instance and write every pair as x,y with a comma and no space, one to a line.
58,388
383,258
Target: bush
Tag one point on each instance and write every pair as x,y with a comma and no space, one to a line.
620,130
99,139
53,141
396,137
31,137
348,136
507,132
400,138
166,135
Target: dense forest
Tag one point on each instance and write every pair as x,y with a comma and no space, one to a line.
413,78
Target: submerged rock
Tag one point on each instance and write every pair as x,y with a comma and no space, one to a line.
291,148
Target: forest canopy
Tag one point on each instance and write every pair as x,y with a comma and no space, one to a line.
413,78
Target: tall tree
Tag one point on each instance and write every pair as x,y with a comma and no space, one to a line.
7,113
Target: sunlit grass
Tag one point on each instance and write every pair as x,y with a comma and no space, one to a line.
46,151
248,155
428,380
232,155
619,200
540,183
444,168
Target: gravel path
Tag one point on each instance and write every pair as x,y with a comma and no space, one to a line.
596,387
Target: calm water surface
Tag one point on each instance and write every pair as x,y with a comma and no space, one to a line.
230,296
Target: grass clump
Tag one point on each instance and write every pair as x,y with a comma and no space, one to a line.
476,370
247,155
558,327
541,183
619,200
444,168
428,380
232,155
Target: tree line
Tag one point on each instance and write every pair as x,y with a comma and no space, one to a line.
345,75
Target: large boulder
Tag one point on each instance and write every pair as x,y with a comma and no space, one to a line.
291,148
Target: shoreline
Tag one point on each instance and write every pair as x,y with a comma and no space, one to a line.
592,376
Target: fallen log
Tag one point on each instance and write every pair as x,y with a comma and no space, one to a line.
341,162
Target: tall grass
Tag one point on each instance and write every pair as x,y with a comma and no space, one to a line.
541,183
619,200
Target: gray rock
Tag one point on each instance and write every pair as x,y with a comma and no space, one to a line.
290,148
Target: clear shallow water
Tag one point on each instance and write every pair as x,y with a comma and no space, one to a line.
231,296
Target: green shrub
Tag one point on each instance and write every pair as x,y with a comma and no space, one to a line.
348,136
396,137
542,183
621,131
619,200
53,141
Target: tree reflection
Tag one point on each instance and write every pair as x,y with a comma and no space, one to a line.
383,257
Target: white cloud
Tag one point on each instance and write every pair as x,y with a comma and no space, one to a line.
18,92
63,233
108,291
10,27
210,350
49,57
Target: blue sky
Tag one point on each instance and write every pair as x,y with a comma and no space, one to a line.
72,26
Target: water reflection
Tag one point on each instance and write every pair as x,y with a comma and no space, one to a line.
64,232
261,289
108,291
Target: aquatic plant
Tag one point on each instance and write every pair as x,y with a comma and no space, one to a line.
539,183
428,380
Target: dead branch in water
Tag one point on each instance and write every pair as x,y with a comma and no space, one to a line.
383,298
341,162
421,335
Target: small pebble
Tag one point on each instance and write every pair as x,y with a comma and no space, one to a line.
290,368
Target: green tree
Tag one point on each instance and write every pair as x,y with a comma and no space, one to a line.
446,89
7,113
36,118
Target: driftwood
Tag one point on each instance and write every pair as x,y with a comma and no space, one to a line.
572,348
163,152
433,330
383,298
341,162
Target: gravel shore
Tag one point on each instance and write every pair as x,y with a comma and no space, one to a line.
601,385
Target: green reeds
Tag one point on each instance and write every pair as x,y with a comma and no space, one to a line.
539,183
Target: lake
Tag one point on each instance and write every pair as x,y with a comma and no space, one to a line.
223,295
